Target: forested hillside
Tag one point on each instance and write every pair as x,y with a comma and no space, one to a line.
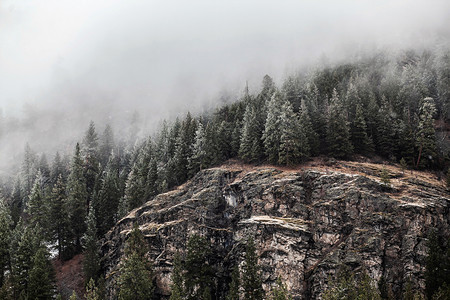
385,107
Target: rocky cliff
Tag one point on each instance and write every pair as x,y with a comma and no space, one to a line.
306,222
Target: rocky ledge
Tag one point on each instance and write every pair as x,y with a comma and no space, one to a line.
306,223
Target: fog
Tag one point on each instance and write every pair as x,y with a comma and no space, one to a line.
64,63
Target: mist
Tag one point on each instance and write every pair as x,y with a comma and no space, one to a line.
63,64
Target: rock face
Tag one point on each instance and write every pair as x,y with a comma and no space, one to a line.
305,223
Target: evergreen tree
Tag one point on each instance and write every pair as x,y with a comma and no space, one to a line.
91,262
106,145
236,137
44,169
426,137
5,238
233,293
91,160
271,135
291,93
122,210
317,110
59,227
385,177
177,286
42,277
28,170
268,88
293,139
306,125
361,142
58,168
183,148
153,183
136,184
16,201
251,277
338,135
224,139
73,296
77,197
107,201
248,135
406,142
346,286
437,270
197,161
24,244
92,291
279,291
385,138
135,279
36,207
199,274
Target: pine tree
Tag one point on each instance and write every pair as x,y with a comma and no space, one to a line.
291,93
233,293
177,286
107,201
136,184
248,135
294,145
135,279
73,296
59,227
271,135
197,161
338,135
435,273
199,274
36,206
16,201
224,139
268,88
5,239
106,145
24,244
44,169
28,169
426,136
346,286
92,291
91,160
42,277
306,125
77,197
385,139
279,291
361,142
251,277
91,262
183,149
152,187
236,137
385,177
58,168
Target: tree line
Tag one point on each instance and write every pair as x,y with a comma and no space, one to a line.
394,107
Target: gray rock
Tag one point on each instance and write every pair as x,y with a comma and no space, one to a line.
305,225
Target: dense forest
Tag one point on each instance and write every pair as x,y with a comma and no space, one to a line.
386,107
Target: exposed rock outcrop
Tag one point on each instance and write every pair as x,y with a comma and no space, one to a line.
305,223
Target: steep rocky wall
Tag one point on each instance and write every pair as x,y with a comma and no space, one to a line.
305,223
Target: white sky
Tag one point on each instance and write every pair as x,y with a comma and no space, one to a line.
161,54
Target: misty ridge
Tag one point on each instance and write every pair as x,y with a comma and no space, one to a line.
113,112
106,62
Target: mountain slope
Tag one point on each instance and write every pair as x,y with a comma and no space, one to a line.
306,222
